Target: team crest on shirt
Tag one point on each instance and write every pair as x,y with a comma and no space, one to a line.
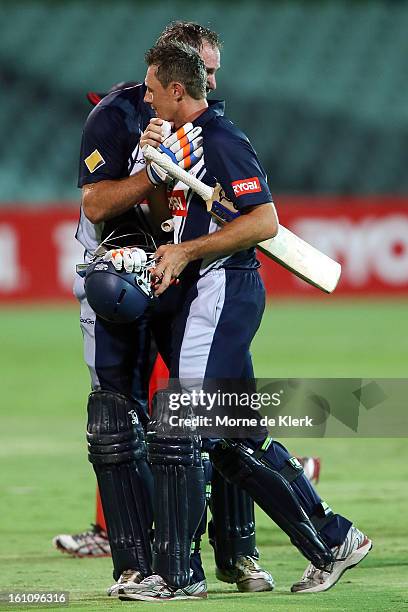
94,161
177,203
243,186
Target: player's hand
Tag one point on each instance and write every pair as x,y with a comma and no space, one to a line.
172,259
184,148
156,132
129,259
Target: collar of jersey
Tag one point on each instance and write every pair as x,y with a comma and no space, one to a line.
215,108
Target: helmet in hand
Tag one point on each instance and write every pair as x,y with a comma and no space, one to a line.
117,296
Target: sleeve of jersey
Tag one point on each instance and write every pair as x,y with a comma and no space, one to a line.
103,147
234,164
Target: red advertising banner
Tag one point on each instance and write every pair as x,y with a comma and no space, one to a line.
369,236
38,253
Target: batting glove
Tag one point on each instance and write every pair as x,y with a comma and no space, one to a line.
184,148
129,259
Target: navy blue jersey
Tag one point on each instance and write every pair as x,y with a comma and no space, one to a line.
109,151
110,140
229,160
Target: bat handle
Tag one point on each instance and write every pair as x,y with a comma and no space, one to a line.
162,160
167,226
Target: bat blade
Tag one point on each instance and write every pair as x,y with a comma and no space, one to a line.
286,248
303,259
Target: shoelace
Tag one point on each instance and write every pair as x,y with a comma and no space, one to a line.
250,564
127,575
154,579
310,572
90,533
315,572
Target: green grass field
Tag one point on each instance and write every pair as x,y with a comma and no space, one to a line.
47,485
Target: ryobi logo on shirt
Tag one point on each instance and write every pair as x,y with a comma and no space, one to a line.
243,186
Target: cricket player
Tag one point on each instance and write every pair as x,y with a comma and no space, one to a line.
114,181
210,338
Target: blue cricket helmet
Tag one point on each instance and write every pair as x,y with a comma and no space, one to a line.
117,296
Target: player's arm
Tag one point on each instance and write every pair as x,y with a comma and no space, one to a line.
255,224
109,198
105,196
106,199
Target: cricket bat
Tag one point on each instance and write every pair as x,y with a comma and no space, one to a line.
286,248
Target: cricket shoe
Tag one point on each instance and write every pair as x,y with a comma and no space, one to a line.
355,547
154,588
91,543
311,468
128,579
248,576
